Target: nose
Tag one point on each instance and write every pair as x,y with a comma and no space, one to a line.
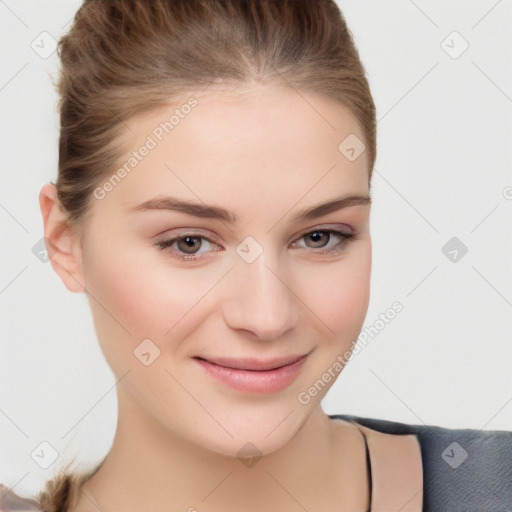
260,300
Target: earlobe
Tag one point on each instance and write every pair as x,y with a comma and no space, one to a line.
61,241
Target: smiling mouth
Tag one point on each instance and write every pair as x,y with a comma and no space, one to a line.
253,365
254,376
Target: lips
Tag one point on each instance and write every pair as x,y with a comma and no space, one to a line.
249,375
253,364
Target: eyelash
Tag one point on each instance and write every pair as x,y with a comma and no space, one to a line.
166,243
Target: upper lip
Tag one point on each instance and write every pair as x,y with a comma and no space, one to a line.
247,363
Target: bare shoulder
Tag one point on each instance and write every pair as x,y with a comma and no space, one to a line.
350,431
10,501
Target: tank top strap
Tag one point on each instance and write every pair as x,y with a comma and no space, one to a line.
368,466
395,471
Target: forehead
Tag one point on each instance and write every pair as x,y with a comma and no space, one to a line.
275,142
264,114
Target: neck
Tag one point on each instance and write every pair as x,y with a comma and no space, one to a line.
151,468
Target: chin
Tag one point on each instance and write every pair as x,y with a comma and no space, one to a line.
248,444
250,432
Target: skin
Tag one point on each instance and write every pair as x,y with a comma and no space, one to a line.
265,156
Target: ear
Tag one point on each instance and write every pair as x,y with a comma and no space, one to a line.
61,241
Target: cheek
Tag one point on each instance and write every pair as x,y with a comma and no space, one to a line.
339,294
137,299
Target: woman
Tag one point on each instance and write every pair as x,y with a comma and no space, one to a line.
213,201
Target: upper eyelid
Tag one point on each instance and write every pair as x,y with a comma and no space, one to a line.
326,227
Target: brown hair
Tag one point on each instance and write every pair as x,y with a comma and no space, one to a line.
62,492
125,57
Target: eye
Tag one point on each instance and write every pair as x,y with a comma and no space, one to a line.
187,246
323,238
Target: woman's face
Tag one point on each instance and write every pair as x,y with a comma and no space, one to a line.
266,288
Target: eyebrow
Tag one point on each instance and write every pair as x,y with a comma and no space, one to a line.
215,212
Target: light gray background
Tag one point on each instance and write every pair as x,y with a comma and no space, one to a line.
443,171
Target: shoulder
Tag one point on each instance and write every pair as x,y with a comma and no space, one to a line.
10,501
463,469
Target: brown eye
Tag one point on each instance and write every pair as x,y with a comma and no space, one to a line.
330,240
187,247
319,239
188,244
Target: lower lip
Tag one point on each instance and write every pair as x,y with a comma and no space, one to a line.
251,381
